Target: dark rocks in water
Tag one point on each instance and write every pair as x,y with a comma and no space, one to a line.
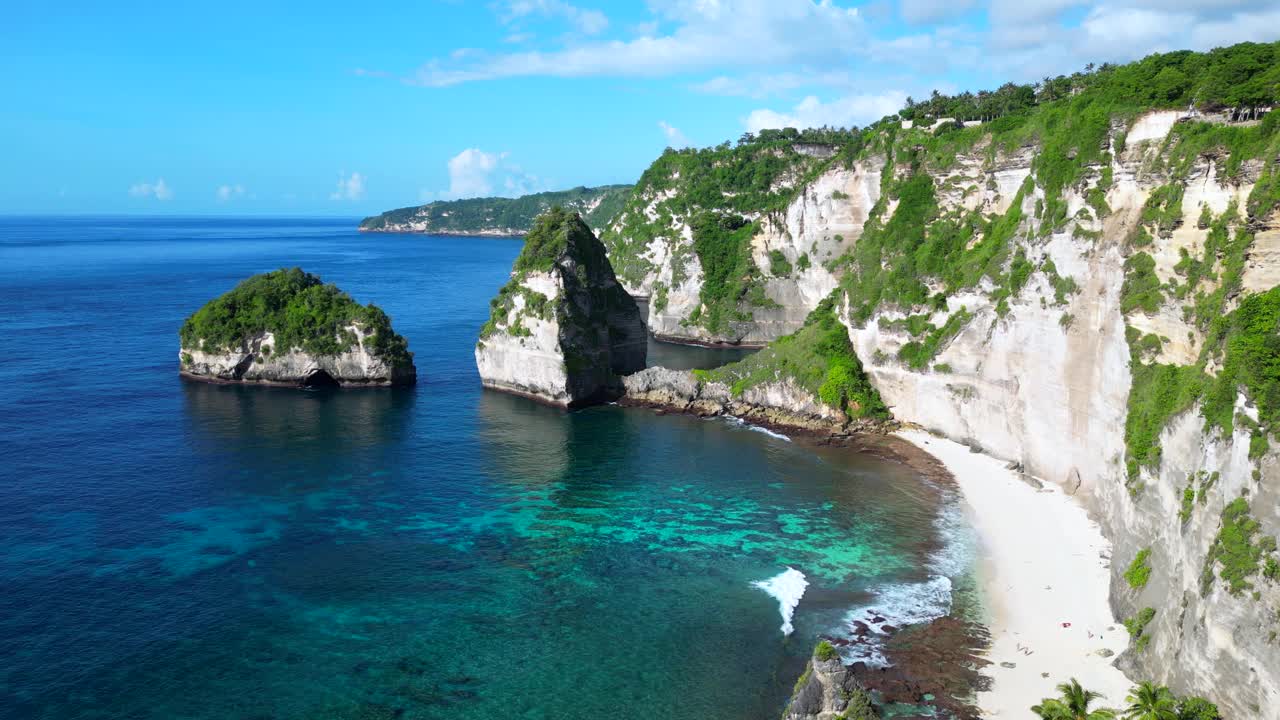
941,659
562,330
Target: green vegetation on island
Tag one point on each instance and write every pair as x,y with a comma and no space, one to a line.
300,310
499,215
555,234
818,358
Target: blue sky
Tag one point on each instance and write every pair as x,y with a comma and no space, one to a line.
348,109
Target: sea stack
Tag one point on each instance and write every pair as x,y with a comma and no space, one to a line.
562,330
288,327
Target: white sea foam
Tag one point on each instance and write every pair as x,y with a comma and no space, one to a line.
898,605
787,587
755,428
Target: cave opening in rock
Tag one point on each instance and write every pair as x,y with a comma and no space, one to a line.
319,379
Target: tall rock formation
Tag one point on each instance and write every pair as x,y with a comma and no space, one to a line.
1087,288
562,330
289,328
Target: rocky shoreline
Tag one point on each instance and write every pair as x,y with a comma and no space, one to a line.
777,406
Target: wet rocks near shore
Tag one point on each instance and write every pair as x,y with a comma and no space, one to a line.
780,405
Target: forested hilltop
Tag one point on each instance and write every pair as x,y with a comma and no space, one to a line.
498,215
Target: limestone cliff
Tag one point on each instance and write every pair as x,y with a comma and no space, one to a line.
729,243
289,328
1089,293
562,330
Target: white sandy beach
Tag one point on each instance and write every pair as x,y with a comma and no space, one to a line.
1042,564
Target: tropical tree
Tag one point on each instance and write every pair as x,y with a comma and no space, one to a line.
1149,701
1072,705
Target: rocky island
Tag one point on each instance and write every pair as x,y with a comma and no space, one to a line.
562,330
288,327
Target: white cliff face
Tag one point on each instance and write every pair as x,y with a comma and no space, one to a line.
1223,645
261,361
821,224
1047,386
818,226
531,361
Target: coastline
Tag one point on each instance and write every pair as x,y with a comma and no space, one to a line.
1042,563
504,234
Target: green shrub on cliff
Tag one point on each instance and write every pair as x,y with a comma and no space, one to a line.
1139,571
1236,550
818,358
729,275
299,309
1137,627
825,651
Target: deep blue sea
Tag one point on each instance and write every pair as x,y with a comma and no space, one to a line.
170,549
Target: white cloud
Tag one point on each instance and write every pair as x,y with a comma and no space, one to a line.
159,190
926,11
841,112
771,84
589,22
226,192
350,187
709,34
675,138
469,173
476,173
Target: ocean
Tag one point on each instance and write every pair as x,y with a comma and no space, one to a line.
171,549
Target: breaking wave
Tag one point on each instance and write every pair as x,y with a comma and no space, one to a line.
787,588
755,428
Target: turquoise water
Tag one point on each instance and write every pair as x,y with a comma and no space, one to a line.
171,549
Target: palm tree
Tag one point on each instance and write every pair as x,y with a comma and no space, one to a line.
1073,705
1149,701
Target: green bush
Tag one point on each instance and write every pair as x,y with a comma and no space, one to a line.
1137,626
825,651
1188,503
1235,549
778,264
1139,571
819,358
